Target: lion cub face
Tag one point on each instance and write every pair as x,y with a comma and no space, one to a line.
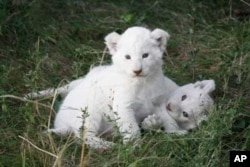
138,51
188,104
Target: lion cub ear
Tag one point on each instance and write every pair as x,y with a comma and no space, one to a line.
208,86
161,37
111,41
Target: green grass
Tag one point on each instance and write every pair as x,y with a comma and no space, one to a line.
43,44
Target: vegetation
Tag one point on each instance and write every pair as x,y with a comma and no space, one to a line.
46,43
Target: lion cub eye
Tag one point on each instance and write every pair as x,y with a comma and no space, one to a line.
145,55
183,97
185,114
127,57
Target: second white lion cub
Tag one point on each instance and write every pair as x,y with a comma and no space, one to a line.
123,93
185,109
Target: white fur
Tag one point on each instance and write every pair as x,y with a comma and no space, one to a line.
189,112
193,99
128,91
158,39
121,94
51,92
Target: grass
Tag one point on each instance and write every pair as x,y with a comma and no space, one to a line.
43,44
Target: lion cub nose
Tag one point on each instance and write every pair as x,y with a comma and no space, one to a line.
137,72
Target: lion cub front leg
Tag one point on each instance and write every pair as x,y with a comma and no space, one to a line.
91,128
128,126
125,119
152,122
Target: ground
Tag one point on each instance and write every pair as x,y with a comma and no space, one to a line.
45,44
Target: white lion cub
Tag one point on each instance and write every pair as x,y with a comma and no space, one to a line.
185,109
121,94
